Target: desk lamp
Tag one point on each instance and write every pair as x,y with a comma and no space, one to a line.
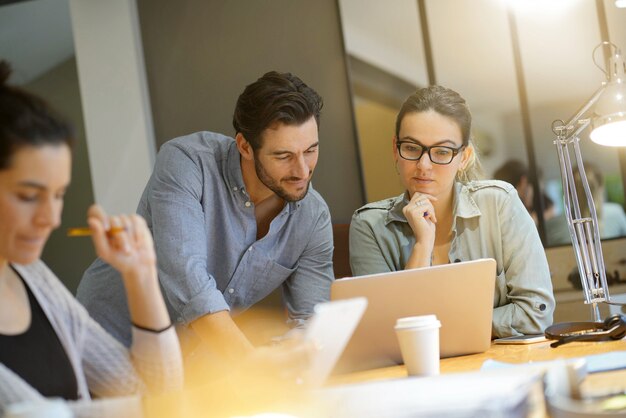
605,111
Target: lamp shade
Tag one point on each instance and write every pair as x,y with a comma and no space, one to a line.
608,122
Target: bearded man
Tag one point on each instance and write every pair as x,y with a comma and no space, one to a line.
232,220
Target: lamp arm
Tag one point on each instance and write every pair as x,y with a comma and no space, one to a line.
572,211
592,230
577,118
607,120
584,231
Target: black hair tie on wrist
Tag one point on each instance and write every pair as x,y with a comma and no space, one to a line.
613,328
156,331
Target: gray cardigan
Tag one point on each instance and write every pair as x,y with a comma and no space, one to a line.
102,366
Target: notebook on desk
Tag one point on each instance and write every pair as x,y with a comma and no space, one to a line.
460,294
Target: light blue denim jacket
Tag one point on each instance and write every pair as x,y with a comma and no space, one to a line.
490,221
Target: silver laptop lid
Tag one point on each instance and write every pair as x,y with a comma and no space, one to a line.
460,294
330,329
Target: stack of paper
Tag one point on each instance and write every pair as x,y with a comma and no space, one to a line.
479,394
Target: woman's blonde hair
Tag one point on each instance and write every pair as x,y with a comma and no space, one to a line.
446,102
473,169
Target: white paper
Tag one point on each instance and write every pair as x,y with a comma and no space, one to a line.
477,394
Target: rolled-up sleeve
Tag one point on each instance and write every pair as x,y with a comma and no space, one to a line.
310,282
525,277
178,226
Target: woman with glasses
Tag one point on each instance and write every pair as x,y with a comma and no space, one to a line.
448,215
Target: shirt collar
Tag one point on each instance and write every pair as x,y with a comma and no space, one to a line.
464,204
395,209
294,206
233,166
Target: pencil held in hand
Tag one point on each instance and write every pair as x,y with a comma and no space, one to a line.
86,231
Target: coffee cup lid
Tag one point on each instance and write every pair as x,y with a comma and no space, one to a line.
418,322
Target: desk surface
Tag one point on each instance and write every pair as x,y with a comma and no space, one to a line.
225,398
597,384
522,353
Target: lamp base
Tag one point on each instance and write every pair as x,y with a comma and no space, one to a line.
612,328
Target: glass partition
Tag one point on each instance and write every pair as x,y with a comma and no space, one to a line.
520,64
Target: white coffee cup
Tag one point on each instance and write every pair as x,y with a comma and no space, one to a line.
419,343
48,408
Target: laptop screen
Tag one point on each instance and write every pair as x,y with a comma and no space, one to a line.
460,295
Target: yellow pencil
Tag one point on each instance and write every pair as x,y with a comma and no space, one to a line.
86,231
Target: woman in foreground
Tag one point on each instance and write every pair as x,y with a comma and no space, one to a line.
49,346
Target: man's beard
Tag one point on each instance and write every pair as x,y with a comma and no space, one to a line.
274,185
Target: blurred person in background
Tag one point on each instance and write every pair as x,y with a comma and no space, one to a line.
611,216
516,173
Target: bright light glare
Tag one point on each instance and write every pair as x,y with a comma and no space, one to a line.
620,3
267,415
542,7
611,134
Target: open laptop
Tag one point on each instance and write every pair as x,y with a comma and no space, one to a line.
460,294
329,330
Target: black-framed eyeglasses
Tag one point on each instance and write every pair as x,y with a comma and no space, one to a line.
438,154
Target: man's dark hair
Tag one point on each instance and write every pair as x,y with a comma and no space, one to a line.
275,97
27,120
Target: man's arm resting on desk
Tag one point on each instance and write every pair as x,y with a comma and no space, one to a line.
220,331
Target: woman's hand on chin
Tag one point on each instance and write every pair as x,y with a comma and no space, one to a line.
420,213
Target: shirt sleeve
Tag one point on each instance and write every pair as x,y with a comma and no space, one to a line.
152,366
525,277
366,256
13,389
178,227
310,283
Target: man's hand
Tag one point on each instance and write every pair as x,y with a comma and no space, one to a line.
219,331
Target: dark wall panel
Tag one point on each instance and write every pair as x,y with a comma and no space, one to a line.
69,257
200,54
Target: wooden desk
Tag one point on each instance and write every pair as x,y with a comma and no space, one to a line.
505,353
225,398
597,384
